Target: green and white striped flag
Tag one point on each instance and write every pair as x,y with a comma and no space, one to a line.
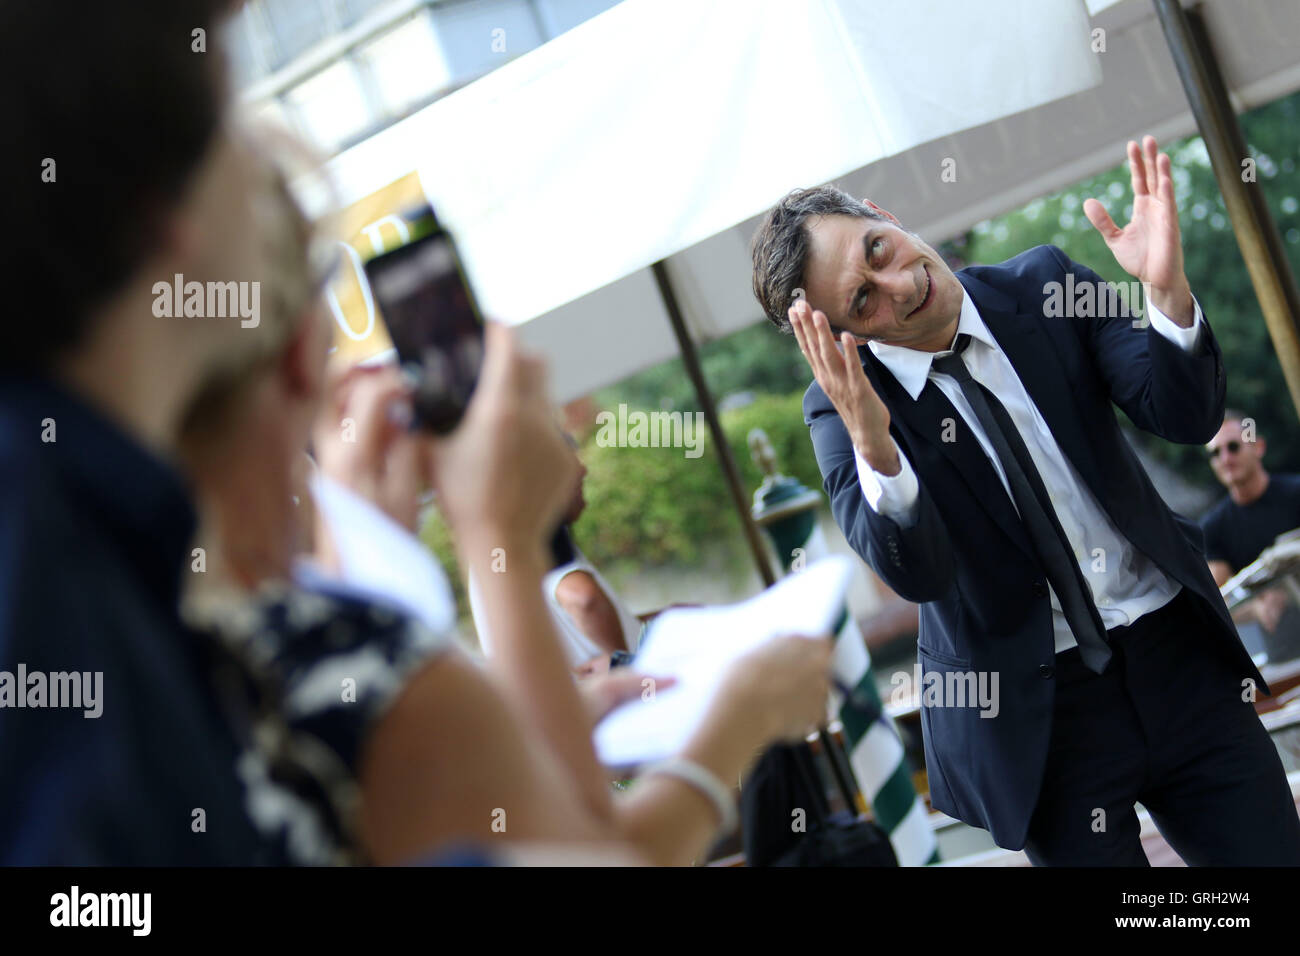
875,750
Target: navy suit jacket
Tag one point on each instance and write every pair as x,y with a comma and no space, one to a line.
967,559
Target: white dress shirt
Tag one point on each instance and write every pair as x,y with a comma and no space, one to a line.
1130,584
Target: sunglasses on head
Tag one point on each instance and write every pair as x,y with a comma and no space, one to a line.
1232,446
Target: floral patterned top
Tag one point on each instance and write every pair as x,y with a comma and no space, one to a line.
306,676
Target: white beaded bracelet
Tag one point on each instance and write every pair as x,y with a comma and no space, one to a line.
707,783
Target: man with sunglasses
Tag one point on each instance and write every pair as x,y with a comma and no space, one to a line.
1257,508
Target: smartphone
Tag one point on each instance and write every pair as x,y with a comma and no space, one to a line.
426,303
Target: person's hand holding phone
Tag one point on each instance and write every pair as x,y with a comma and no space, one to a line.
425,303
505,474
363,440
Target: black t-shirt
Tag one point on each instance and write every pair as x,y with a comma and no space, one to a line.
1238,533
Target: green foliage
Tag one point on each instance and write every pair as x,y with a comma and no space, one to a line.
658,507
757,359
781,416
436,536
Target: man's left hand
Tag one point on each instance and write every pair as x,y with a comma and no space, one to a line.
1150,247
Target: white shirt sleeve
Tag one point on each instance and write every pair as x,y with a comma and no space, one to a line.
1186,339
890,496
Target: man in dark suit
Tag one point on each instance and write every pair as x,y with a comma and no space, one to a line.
965,430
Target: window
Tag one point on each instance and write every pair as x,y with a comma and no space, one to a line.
405,54
560,16
405,65
470,41
350,11
297,25
331,107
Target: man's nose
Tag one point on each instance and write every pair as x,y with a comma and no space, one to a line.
899,286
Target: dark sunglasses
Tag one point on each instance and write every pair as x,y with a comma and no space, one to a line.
1232,446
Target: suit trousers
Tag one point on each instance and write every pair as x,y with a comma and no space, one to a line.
1165,725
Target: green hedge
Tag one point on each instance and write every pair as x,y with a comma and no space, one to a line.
659,507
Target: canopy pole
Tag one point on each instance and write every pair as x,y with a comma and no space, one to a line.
1256,232
691,359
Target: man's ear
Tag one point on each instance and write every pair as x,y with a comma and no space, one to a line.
1260,447
882,212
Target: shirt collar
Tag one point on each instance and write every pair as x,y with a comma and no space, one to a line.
912,366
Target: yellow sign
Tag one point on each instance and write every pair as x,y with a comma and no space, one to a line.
372,225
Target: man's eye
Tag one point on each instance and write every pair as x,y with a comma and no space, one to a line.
877,247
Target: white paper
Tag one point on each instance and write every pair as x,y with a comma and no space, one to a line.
696,646
380,558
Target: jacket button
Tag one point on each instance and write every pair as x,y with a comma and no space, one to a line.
1040,589
1046,671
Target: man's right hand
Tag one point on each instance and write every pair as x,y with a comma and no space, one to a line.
839,373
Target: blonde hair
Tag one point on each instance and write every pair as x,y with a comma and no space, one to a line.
293,268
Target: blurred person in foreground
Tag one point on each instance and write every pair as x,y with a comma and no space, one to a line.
425,749
120,175
1258,506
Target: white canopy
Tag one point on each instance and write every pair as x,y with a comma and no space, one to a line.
663,129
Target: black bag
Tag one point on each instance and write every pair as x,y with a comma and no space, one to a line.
784,780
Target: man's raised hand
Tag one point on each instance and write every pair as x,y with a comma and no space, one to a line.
1150,247
839,372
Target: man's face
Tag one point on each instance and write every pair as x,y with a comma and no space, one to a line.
877,281
1234,461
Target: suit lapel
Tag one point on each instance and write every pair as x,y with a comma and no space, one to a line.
927,417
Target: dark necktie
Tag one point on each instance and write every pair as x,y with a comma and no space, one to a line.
1036,511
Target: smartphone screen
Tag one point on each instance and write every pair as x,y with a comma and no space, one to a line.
426,304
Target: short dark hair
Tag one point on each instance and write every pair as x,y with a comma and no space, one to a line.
1240,417
117,97
780,247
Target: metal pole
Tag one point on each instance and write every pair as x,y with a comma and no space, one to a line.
1256,232
691,359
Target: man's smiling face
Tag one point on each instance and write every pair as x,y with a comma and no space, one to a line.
877,281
